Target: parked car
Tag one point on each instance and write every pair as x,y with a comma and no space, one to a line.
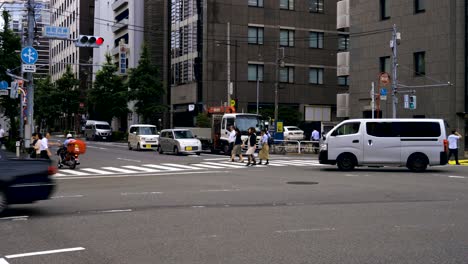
293,133
143,136
179,141
97,130
24,181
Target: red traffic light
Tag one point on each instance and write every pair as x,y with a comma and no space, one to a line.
89,41
99,41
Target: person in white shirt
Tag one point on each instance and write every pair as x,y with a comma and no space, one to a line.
2,136
44,148
453,145
231,140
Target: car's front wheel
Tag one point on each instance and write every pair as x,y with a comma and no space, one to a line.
346,162
3,201
176,151
129,146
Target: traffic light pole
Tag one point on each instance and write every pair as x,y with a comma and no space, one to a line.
394,72
29,128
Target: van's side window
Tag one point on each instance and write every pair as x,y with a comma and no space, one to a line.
347,129
420,129
382,129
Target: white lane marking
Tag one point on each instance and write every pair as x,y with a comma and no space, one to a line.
3,261
44,252
67,196
225,165
140,193
129,160
120,170
140,175
276,164
222,190
457,177
305,230
237,164
116,211
59,175
14,217
181,166
73,172
141,169
96,171
198,206
207,166
351,175
217,159
166,168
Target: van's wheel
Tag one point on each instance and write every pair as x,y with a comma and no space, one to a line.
176,151
417,163
3,202
138,148
129,146
346,162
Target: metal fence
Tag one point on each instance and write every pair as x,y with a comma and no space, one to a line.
294,146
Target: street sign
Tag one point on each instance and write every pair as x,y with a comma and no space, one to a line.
123,58
383,91
3,92
384,79
279,127
406,101
29,55
383,97
3,85
56,32
29,67
233,102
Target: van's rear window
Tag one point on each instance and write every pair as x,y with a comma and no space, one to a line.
403,129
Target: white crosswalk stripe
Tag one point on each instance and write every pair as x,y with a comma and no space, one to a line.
173,167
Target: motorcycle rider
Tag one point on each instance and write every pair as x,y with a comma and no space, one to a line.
63,149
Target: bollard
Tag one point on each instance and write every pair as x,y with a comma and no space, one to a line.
17,149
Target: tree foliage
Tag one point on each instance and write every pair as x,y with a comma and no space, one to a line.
69,95
289,115
203,120
9,60
146,88
108,98
47,102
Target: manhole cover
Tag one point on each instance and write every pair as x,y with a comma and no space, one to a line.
302,182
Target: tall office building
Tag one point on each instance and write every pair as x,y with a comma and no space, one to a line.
430,54
289,41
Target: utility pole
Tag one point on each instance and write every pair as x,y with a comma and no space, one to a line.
228,63
279,60
394,44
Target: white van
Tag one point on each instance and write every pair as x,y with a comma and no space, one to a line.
97,130
414,143
141,136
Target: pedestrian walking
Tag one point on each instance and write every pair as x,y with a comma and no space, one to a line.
2,136
315,137
43,148
264,153
453,145
36,145
237,149
231,140
251,146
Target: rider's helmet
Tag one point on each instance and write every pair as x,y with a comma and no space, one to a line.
69,135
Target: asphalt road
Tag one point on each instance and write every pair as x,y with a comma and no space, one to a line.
209,210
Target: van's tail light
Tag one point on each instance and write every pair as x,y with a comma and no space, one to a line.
51,170
446,145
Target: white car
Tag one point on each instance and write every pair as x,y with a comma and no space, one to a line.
179,141
293,133
142,136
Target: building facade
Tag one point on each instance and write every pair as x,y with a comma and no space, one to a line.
290,42
431,58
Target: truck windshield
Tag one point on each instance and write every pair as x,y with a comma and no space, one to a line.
183,134
244,122
147,131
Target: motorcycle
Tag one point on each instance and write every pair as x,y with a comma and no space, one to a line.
69,156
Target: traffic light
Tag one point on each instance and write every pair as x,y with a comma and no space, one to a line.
14,90
89,41
412,102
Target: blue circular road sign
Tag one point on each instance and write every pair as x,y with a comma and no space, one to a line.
29,55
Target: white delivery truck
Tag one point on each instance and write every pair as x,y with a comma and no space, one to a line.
414,143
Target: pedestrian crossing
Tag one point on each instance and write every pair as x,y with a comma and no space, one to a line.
174,167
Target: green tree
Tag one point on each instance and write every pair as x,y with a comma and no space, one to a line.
67,87
108,98
47,102
203,120
289,115
9,59
146,88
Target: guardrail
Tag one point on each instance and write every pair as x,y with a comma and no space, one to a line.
294,146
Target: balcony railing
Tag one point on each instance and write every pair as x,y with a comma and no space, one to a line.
119,25
118,3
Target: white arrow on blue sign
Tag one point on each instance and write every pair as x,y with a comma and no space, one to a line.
3,85
383,92
29,55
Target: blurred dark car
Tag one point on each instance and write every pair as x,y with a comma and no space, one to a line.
24,181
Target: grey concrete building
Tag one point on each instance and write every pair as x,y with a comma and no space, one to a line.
431,53
299,36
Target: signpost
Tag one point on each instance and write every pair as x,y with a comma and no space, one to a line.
3,85
383,94
53,32
3,92
29,55
29,67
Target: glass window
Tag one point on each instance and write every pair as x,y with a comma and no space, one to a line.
316,75
419,129
420,63
147,131
286,74
419,6
181,134
343,80
257,3
316,6
382,129
316,40
343,42
287,38
255,35
287,4
255,72
347,129
384,9
385,64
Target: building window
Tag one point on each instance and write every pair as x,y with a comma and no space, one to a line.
384,8
419,6
343,42
316,6
286,38
286,74
316,40
420,63
385,64
255,35
257,3
343,80
316,75
255,72
287,4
